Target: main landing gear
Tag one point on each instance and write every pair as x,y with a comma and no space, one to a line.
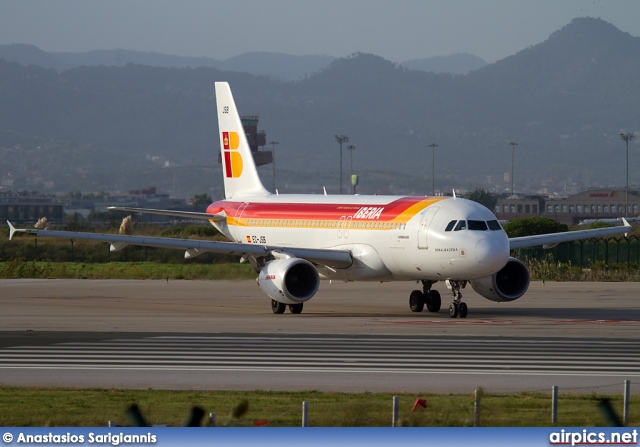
458,308
278,308
431,298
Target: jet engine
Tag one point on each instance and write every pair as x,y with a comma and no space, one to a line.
508,284
289,281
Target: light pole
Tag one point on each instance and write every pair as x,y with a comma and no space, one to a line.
626,137
433,147
341,139
351,148
273,160
513,151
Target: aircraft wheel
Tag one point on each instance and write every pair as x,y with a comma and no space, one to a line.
277,307
296,308
416,301
433,301
453,310
463,310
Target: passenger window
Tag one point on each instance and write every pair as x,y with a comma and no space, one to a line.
462,225
477,225
450,225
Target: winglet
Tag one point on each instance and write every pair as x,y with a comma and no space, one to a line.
626,225
12,230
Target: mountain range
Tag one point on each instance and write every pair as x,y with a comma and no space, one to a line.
564,101
278,66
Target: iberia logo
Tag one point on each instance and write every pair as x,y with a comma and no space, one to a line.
232,159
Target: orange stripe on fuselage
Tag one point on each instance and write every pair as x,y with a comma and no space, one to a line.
398,211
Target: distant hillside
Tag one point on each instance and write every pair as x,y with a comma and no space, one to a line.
31,55
276,65
119,58
279,66
564,101
459,63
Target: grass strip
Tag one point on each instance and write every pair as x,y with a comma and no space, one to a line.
95,407
124,270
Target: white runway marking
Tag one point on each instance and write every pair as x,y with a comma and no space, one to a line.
404,355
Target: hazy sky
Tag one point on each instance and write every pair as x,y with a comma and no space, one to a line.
397,30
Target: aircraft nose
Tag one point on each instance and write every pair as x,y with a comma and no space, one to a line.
492,252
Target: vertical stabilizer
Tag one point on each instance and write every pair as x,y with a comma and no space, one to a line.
238,168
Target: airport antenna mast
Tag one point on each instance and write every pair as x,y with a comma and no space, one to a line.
626,137
513,151
341,139
273,158
433,147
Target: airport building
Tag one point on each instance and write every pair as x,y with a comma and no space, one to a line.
519,206
29,207
586,205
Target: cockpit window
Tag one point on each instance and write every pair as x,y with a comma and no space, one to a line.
477,225
450,225
462,225
494,225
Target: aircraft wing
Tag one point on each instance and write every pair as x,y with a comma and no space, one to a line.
551,240
195,247
189,214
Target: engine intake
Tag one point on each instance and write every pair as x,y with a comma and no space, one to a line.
508,284
289,281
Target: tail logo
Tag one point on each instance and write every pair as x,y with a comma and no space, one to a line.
232,159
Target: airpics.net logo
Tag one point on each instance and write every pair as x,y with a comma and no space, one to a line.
586,437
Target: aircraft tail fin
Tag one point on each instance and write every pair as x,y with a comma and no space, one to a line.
238,168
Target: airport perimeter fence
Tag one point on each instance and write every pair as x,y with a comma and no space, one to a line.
587,252
601,259
548,408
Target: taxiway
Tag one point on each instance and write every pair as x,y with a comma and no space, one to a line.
350,337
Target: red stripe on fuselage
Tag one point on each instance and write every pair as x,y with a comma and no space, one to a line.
318,211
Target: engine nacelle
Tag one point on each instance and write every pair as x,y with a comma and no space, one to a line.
289,281
508,284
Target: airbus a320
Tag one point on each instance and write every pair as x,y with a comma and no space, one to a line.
293,241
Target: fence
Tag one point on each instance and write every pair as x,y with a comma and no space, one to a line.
587,252
490,410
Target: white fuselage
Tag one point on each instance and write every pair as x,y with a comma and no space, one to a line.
390,237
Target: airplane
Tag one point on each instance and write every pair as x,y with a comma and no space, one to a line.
294,240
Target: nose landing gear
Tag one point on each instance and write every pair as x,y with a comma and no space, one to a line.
457,308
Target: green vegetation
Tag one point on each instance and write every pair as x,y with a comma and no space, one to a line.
95,407
29,248
547,269
483,197
124,270
530,226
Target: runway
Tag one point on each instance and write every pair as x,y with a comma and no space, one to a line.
149,334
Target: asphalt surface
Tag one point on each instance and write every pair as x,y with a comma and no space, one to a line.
350,337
